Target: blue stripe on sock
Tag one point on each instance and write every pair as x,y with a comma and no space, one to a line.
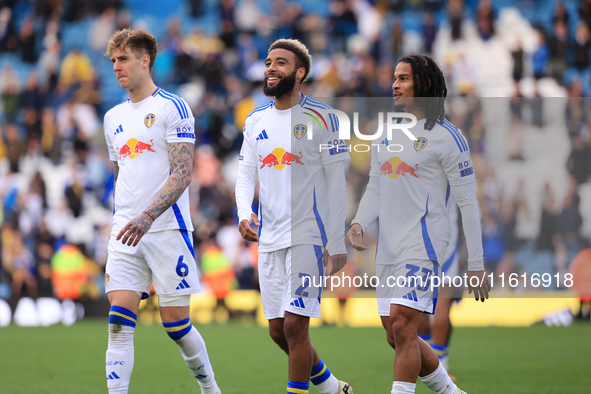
178,329
316,370
128,319
294,384
320,374
426,337
177,323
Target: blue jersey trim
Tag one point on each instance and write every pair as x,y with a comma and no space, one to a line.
319,222
161,94
426,239
183,228
320,259
458,133
181,105
453,135
262,107
436,290
448,262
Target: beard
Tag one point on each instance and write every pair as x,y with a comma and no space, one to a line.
284,86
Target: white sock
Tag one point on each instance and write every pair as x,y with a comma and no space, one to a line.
440,382
323,379
403,387
329,386
119,364
194,352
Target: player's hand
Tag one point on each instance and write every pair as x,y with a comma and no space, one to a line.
246,231
480,291
135,229
337,261
355,235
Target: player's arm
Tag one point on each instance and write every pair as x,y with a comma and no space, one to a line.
369,206
337,196
245,186
116,175
462,183
180,156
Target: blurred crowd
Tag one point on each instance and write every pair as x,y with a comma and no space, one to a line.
56,180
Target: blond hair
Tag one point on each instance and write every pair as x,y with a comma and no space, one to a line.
139,41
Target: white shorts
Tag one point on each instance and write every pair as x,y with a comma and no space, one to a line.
165,258
451,263
291,280
395,287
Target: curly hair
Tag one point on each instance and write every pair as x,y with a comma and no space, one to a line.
303,57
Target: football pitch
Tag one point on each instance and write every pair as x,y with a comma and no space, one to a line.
60,359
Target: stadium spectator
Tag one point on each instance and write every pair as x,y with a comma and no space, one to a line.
429,32
558,49
582,45
101,30
456,18
579,159
560,13
545,242
21,265
540,57
27,41
8,36
485,17
517,54
569,222
76,67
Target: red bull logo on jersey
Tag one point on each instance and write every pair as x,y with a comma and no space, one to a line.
395,167
279,158
133,148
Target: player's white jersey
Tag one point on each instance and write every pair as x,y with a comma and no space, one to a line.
293,193
413,186
137,137
451,258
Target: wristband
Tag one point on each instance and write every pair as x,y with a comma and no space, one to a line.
151,217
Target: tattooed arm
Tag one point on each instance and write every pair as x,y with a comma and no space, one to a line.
180,155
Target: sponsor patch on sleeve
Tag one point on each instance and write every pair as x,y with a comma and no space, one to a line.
467,171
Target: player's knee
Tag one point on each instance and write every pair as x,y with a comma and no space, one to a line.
296,329
402,330
277,334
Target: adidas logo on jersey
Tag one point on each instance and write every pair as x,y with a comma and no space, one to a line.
183,285
299,303
119,130
113,376
412,296
263,136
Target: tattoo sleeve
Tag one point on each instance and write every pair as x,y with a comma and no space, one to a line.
180,155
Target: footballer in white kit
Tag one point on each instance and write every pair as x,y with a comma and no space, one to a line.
302,208
408,190
294,202
137,136
150,139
